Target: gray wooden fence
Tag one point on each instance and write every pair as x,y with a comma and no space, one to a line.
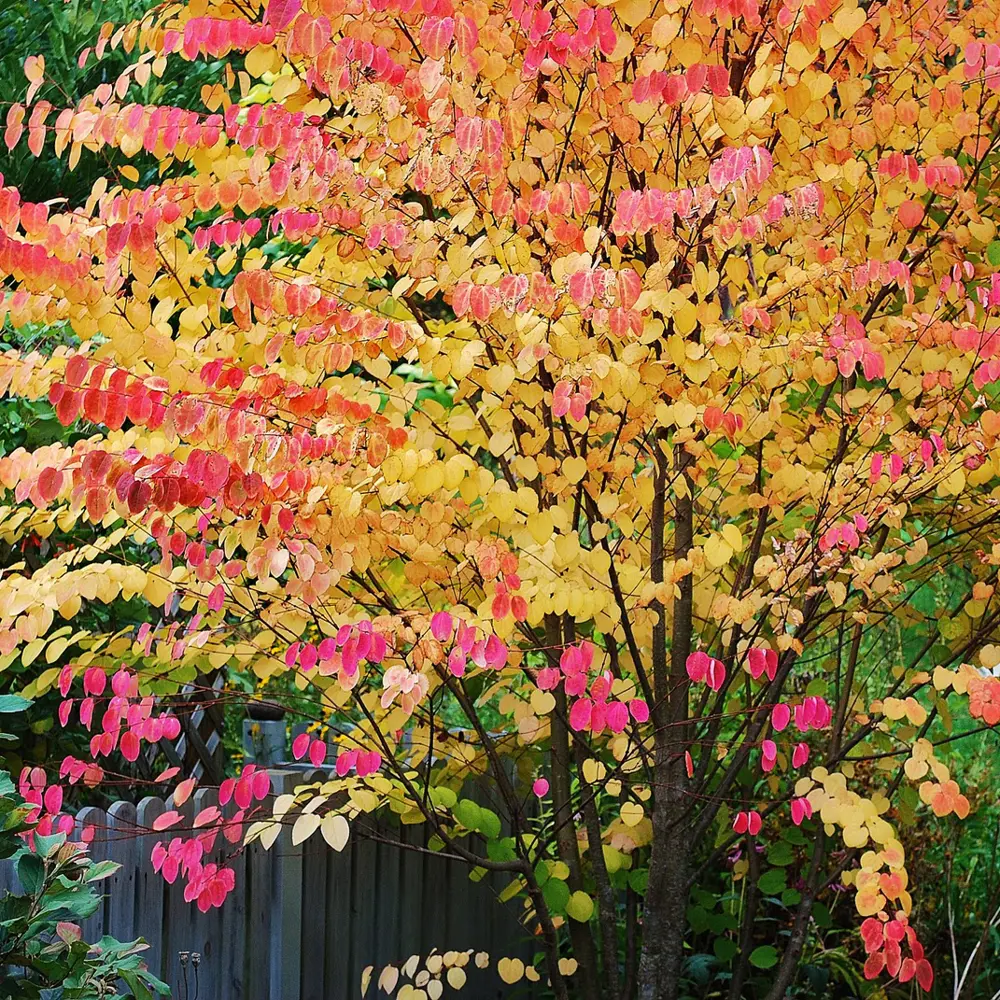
303,922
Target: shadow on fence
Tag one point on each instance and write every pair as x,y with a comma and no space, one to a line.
303,922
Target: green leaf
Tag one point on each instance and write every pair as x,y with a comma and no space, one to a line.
697,918
993,253
771,882
489,824
764,957
638,880
556,895
793,835
443,797
780,853
136,985
501,850
46,845
31,872
580,907
467,813
102,870
13,703
724,948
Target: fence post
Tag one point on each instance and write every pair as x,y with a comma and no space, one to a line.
286,927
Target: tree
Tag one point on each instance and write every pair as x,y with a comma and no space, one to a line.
617,382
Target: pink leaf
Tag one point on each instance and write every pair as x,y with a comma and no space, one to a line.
639,710
167,820
130,746
280,13
300,745
261,785
53,798
697,666
183,791
442,626
781,715
317,753
580,714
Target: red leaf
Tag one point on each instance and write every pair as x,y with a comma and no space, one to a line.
68,407
76,369
925,974
50,483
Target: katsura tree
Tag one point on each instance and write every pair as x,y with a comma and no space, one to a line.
599,402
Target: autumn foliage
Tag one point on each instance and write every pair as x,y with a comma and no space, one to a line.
609,377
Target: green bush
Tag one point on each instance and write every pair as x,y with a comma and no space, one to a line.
42,951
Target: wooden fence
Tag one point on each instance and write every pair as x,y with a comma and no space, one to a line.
303,922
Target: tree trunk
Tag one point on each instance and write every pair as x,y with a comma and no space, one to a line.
664,912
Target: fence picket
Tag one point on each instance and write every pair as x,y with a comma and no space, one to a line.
150,887
123,847
314,874
96,820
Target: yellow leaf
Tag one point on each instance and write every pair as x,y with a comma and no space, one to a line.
574,469
732,535
511,970
567,966
540,526
799,56
580,907
894,708
269,835
632,813
259,60
684,413
31,651
718,551
847,22
388,978
304,827
943,679
633,12
542,702
335,830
